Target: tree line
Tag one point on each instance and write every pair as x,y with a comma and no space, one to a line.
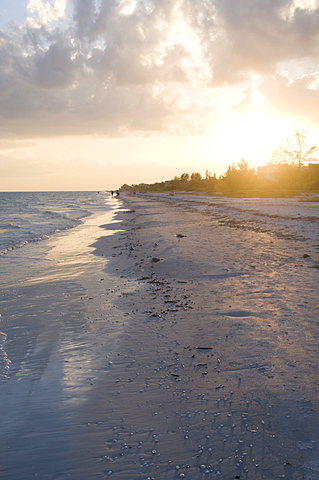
284,174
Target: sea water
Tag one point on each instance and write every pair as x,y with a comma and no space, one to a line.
32,224
59,323
29,219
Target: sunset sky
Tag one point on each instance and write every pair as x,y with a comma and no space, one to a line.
97,93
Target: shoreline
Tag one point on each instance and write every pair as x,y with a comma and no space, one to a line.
215,335
59,324
202,365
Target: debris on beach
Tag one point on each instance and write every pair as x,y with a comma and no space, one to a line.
179,236
153,260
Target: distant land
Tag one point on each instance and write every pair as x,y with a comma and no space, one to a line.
242,180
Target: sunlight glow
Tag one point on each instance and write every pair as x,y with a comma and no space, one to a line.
127,7
252,136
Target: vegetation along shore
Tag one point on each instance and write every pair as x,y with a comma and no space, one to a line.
290,171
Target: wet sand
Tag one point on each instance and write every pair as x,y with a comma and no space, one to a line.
203,365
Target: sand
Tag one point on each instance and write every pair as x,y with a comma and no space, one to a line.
202,365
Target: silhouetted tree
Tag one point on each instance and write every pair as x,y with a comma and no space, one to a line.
295,150
238,177
196,177
185,177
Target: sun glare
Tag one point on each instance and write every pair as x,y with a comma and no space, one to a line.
251,136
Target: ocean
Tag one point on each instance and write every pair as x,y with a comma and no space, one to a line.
34,226
56,299
32,217
29,218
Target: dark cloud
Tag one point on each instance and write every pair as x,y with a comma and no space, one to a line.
84,13
54,67
257,34
115,67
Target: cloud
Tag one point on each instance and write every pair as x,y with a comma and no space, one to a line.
297,98
113,68
254,35
83,17
43,12
284,97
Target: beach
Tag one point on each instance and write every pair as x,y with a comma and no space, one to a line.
201,365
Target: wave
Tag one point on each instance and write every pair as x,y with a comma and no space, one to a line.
29,218
10,225
21,243
76,214
28,237
52,214
4,360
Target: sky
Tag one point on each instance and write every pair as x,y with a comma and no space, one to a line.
98,93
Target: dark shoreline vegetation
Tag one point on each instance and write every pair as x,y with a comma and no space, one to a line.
240,180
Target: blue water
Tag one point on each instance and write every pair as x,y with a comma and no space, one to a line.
29,219
32,217
31,225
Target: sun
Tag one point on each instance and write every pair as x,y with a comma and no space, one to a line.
251,136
